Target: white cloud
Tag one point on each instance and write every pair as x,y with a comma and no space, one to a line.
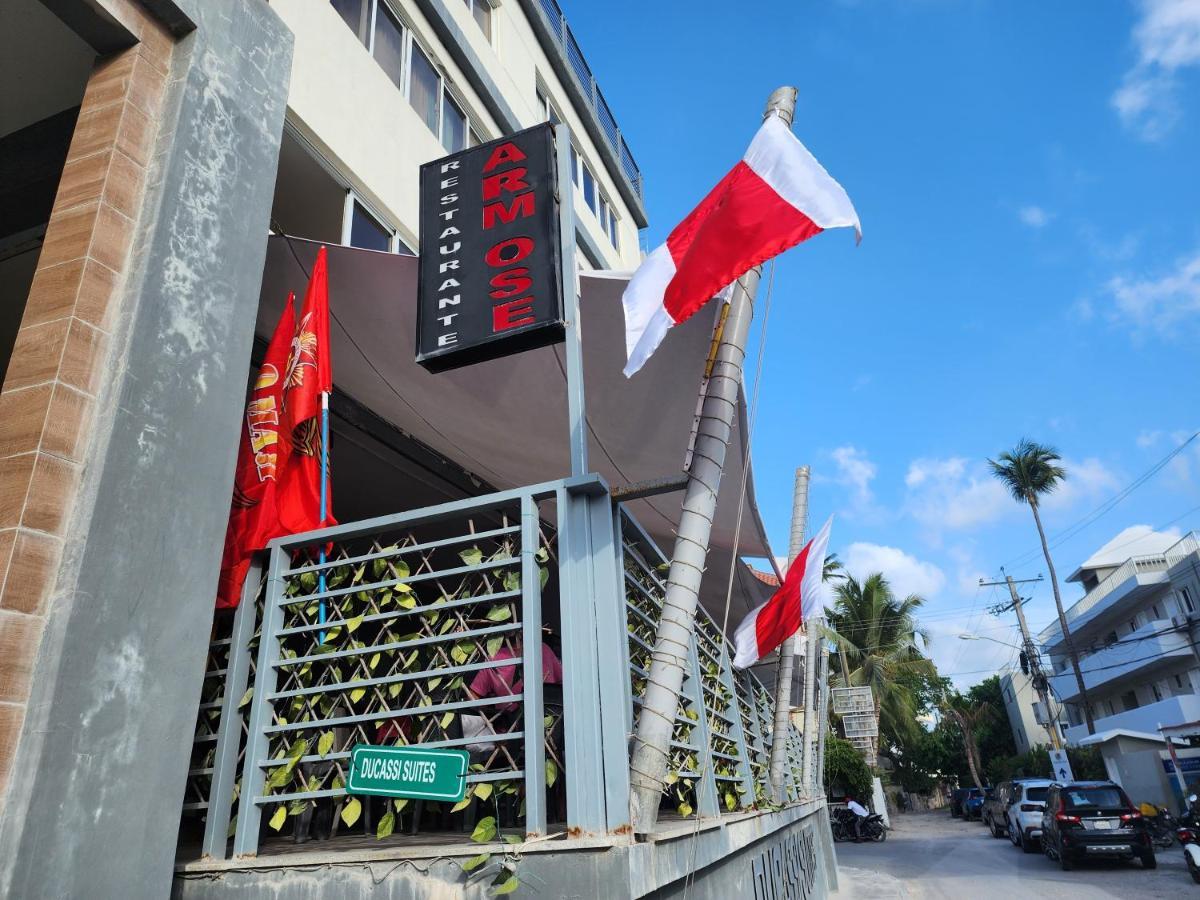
855,472
954,493
1148,439
1087,479
1158,304
1167,38
906,573
1034,216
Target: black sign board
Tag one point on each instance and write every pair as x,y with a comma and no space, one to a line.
489,282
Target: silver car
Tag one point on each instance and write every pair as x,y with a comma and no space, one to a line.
1025,813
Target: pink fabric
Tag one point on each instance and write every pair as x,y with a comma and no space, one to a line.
498,681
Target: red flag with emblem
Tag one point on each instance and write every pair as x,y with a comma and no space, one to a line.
253,515
309,378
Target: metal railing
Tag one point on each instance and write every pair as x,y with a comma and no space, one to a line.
428,617
566,42
1135,565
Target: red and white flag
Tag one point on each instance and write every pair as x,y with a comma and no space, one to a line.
777,196
779,618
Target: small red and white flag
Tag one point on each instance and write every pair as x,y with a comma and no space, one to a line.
779,618
777,196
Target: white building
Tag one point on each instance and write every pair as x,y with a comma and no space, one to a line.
1136,634
1030,724
381,86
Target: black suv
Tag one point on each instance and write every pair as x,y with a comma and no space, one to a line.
1093,819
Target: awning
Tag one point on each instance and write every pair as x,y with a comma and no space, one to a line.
506,420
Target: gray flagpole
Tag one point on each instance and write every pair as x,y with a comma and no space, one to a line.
652,742
787,652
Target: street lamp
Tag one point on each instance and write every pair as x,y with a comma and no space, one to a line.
979,637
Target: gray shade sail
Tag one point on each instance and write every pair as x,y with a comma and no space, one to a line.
506,420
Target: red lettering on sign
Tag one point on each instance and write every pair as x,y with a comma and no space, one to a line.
512,314
505,153
510,251
510,282
522,206
511,181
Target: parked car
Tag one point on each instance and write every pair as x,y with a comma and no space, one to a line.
957,797
1023,817
1093,819
996,806
973,803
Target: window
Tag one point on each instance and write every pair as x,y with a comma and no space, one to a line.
589,188
472,138
1157,693
367,232
388,47
423,89
454,126
1129,699
1111,639
482,11
612,230
1154,609
356,14
1187,599
548,112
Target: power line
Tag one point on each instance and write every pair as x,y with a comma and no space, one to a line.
1104,508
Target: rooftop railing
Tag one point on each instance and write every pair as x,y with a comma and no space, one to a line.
420,608
590,91
1135,565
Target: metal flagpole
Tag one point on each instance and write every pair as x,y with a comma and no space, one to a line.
787,653
648,767
324,501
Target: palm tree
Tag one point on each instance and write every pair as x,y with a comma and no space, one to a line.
969,718
1030,471
832,569
879,645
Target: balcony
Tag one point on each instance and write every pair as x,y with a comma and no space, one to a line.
1146,719
1137,577
1144,650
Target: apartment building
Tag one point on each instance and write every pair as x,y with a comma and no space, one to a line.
379,87
1136,630
1029,721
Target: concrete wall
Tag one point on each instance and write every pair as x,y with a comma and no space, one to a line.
1137,767
94,799
762,856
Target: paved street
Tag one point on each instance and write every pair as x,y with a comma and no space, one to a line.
930,855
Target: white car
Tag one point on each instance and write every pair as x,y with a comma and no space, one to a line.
1024,814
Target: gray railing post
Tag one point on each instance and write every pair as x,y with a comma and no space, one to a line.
623,619
229,735
581,662
734,711
531,673
707,803
608,597
245,840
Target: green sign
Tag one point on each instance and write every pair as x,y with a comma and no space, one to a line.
408,772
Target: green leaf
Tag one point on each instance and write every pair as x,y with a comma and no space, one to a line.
400,803
406,602
278,818
476,861
512,581
551,773
352,625
351,811
374,661
499,613
672,777
387,824
357,694
394,689
543,575
684,808
460,652
542,554
506,887
432,683
730,801
485,830
296,807
246,697
462,804
446,720
494,645
483,790
325,743
472,556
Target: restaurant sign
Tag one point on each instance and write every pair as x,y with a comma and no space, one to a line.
489,281
408,772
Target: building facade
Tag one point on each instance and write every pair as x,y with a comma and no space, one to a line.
164,160
1030,724
1136,631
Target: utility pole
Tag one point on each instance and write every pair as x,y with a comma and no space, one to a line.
652,742
787,659
1040,684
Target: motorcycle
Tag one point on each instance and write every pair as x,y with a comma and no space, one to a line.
1163,828
1189,834
841,822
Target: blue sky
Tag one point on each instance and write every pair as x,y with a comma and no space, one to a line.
1028,178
